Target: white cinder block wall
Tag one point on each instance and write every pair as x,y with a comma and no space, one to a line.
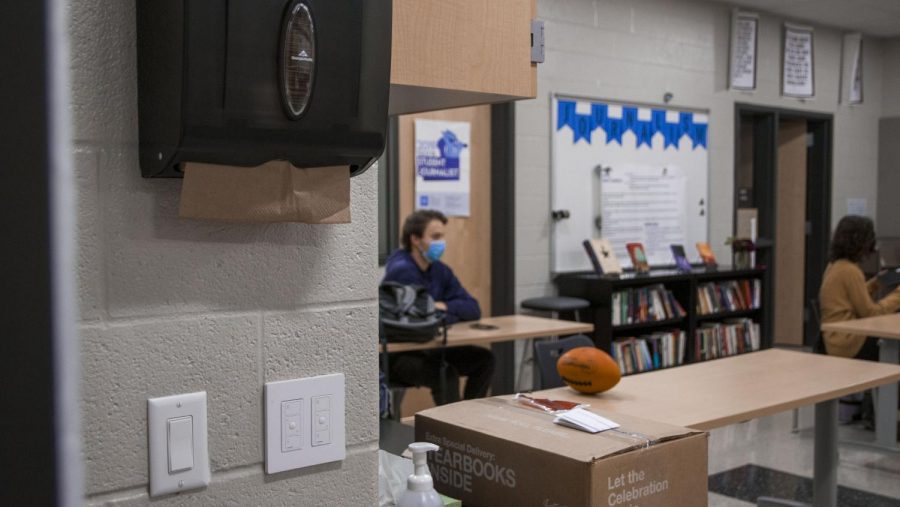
637,50
173,306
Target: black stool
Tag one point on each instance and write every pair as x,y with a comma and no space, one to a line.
554,305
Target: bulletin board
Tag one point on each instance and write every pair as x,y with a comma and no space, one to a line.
628,173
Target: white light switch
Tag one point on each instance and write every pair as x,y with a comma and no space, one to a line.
179,460
304,422
181,444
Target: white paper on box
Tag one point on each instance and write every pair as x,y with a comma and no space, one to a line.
581,419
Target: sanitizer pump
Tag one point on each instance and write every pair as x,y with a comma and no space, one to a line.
419,486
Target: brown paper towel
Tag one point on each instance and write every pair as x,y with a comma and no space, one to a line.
273,192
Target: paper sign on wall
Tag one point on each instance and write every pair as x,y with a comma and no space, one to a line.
443,167
857,206
743,50
797,74
854,43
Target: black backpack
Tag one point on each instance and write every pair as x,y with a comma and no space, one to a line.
407,313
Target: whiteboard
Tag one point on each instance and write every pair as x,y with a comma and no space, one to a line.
629,173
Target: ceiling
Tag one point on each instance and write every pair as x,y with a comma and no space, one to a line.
880,18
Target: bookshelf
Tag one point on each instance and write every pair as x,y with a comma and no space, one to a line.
726,302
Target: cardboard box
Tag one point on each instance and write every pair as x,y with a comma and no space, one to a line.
495,452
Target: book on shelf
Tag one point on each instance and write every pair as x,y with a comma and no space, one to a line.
638,257
728,296
662,349
706,254
645,304
713,340
681,260
602,256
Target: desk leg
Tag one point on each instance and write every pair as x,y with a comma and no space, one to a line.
826,455
826,461
886,412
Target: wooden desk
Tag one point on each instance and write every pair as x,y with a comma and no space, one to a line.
724,391
717,393
509,327
883,326
886,327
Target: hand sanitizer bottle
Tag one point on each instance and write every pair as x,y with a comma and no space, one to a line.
419,486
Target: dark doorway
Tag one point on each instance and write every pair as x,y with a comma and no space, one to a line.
783,192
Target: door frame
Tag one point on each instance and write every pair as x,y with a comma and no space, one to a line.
503,235
818,196
39,362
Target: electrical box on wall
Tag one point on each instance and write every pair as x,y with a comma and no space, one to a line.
243,82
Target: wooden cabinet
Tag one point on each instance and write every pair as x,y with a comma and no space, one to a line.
453,53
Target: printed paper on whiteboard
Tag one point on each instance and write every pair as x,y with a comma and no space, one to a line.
644,204
442,166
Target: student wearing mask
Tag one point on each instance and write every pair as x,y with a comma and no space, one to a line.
845,294
418,263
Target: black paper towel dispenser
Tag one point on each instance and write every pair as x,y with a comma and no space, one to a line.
243,82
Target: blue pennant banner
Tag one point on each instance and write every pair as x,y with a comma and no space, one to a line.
584,125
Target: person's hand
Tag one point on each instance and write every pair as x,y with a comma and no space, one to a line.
440,305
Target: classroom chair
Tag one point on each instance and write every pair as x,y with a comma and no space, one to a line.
818,348
554,305
547,353
849,405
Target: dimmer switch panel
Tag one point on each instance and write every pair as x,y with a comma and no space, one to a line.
321,420
291,425
304,422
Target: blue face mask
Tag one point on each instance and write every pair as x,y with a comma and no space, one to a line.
435,250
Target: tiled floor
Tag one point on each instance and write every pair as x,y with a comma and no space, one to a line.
749,482
769,443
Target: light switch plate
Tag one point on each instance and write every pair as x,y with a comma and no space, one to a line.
304,422
167,419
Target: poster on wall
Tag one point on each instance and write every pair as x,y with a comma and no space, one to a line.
857,206
798,73
744,28
442,166
630,174
854,43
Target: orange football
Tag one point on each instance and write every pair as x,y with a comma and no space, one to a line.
588,370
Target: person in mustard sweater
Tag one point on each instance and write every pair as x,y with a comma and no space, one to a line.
845,294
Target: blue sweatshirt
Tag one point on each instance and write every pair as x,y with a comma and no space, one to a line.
440,282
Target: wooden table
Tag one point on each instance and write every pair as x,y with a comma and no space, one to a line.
886,327
725,391
509,327
883,326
